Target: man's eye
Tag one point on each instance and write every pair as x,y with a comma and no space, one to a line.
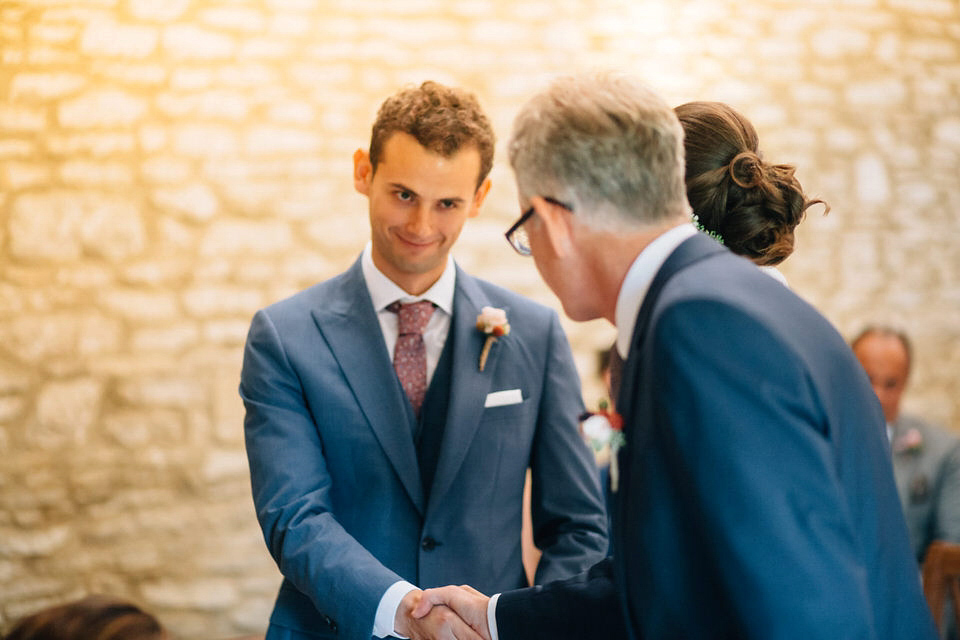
447,204
405,196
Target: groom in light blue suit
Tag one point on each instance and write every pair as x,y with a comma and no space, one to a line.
363,493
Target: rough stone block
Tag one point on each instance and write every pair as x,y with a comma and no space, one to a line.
143,75
110,38
151,10
231,237
194,201
183,392
242,19
138,428
880,93
872,180
205,140
86,173
21,119
16,148
141,305
165,169
65,410
102,108
32,543
45,86
264,140
170,339
19,175
187,41
225,465
207,301
95,144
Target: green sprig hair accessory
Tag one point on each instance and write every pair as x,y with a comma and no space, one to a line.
713,234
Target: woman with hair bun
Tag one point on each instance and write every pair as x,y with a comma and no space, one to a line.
751,206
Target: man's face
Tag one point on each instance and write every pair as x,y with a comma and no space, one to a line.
419,202
885,360
553,246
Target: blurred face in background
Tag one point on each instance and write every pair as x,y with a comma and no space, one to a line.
887,364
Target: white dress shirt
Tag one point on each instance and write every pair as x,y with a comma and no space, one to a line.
632,292
384,292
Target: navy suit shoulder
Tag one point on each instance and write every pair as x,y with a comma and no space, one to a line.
756,491
755,497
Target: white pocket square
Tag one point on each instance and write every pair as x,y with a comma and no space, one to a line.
501,398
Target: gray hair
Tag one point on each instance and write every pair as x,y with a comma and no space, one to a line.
606,145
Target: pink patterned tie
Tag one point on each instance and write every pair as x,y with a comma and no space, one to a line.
410,354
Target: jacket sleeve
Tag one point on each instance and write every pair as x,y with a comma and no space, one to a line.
584,606
567,506
291,492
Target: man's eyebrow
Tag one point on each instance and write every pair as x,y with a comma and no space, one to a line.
402,187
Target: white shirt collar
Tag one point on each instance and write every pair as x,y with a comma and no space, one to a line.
384,291
640,277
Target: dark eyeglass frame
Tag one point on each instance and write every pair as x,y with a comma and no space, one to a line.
523,248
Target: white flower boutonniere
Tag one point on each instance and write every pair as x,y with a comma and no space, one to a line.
912,440
605,429
493,323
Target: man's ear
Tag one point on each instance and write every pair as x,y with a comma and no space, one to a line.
362,171
479,197
557,221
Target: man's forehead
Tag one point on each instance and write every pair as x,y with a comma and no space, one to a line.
407,162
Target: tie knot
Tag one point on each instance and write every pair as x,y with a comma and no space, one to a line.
412,317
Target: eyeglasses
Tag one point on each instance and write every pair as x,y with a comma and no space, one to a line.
517,235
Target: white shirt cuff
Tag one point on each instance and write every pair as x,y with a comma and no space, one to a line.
492,616
387,609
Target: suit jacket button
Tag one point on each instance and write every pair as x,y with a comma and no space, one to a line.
429,544
330,623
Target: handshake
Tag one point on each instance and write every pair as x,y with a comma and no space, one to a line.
445,613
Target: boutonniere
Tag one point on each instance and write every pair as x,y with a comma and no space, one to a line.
604,429
912,440
492,322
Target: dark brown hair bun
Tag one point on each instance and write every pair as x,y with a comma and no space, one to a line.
754,206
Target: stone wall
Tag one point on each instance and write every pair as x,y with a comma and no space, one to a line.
168,167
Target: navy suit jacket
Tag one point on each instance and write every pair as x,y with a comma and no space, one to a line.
334,469
756,498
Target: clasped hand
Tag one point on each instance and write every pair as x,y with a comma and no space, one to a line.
445,613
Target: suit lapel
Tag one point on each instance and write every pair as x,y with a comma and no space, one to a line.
690,251
636,427
468,386
351,329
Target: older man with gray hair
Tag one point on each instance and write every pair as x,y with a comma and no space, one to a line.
754,497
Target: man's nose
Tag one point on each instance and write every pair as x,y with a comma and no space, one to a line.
420,221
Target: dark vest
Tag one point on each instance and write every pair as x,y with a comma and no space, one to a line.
433,415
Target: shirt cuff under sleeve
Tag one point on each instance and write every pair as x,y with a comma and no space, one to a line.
492,616
387,609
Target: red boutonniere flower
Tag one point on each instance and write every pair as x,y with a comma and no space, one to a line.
912,440
493,323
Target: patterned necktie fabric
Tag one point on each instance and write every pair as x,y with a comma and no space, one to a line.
410,354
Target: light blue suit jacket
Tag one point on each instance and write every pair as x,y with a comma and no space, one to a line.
334,470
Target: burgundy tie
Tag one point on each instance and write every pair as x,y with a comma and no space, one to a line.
410,354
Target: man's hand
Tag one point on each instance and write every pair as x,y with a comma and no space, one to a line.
467,602
435,623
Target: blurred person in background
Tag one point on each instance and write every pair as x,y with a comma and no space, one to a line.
95,617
